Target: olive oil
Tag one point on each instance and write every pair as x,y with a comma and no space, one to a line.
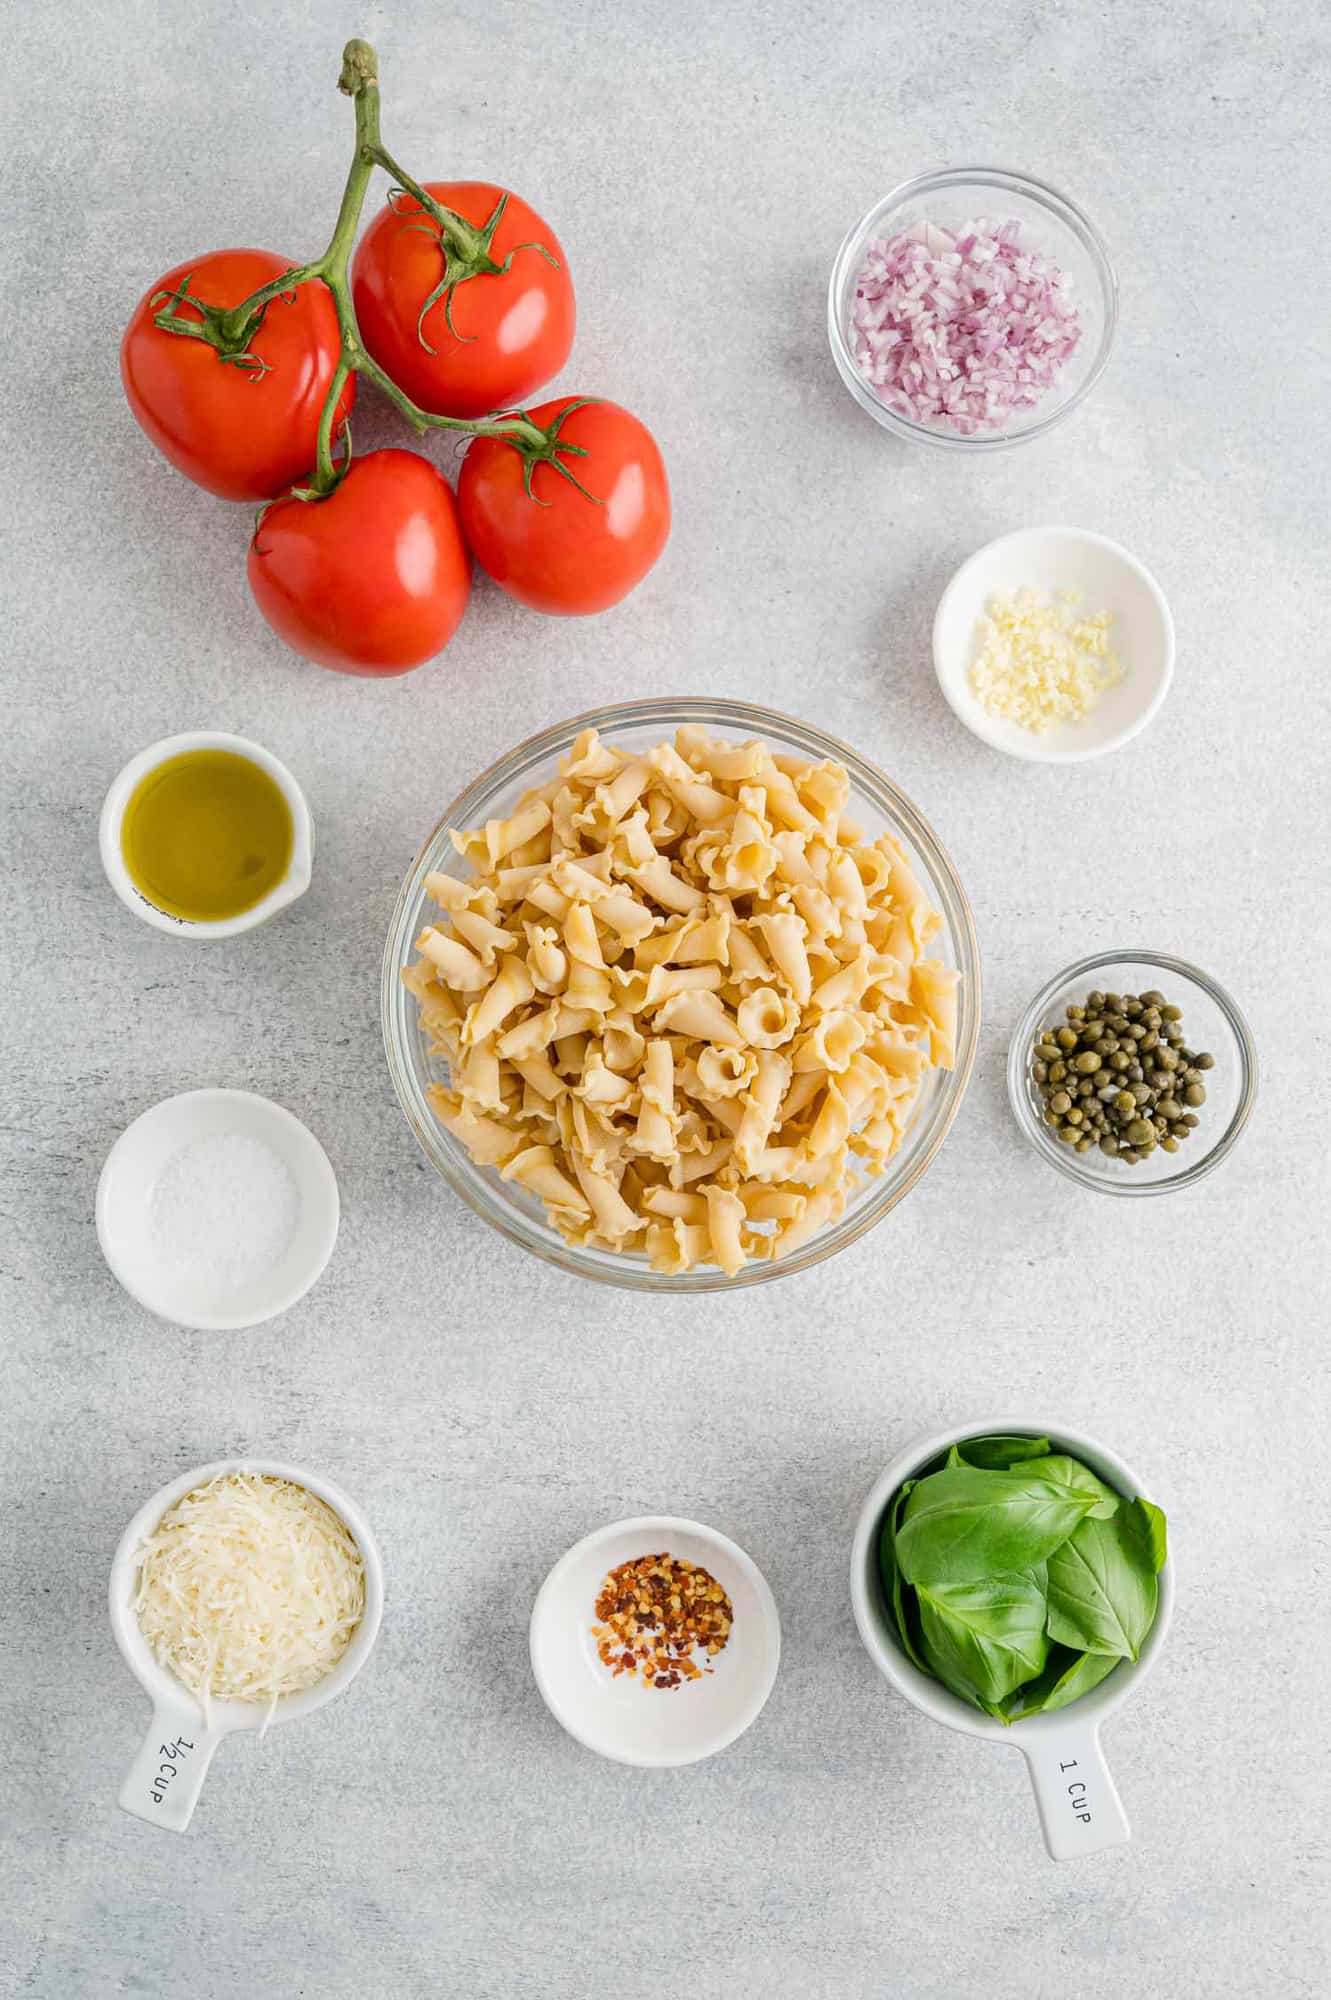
207,835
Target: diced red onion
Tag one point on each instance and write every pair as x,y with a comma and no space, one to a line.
962,327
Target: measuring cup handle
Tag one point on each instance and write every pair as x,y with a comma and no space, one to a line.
1080,1810
167,1776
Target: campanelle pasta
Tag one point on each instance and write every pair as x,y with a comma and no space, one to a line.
683,1001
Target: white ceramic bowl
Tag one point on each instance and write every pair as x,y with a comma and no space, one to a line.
620,1717
293,884
1080,1810
124,1201
1107,578
167,1776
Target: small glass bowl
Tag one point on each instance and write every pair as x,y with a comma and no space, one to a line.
1210,1020
876,805
1056,225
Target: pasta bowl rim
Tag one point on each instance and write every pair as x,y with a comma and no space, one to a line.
480,1189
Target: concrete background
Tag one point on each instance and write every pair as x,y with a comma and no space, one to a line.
435,1832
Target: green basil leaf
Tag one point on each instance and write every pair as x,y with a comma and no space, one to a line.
1151,1522
984,1639
1067,1676
1102,1589
1069,1475
964,1523
893,1586
997,1454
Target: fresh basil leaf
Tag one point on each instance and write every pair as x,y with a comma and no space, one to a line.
1066,1677
893,1586
963,1524
997,1454
984,1639
1102,1589
1069,1475
1151,1522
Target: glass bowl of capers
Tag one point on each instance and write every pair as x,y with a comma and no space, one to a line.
1132,1072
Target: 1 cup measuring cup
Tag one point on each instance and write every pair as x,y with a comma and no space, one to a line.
167,1776
1080,1810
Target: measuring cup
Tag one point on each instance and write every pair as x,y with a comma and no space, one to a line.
167,1776
1080,1810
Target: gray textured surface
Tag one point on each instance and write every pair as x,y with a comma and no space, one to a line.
435,1832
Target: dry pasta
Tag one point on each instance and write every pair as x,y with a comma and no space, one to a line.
683,1001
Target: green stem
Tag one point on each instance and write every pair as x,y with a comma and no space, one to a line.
229,331
462,239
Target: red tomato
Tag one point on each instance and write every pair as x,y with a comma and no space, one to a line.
372,580
510,332
556,549
235,431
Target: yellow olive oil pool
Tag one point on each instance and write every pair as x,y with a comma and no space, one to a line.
207,835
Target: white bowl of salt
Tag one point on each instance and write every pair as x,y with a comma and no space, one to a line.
217,1209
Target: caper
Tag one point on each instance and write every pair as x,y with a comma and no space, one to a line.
1152,998
1107,1093
1072,1116
1066,1038
1088,1062
1195,1094
1095,1000
1205,1062
1139,1132
1118,1060
1169,1145
1084,1145
1125,1102
1172,1013
1130,1154
1068,1134
1109,1145
1135,1073
1166,1059
1059,1102
1189,1120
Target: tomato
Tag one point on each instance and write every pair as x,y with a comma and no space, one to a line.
510,331
558,550
372,580
235,431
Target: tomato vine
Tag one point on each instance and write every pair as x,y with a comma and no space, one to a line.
466,253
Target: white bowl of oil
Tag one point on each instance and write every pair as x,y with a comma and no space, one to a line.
206,835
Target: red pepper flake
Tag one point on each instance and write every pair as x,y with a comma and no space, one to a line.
654,1614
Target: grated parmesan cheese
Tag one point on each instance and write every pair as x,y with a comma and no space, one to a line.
1039,663
250,1588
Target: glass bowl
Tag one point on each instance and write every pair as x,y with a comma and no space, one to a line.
874,802
1055,224
1211,1021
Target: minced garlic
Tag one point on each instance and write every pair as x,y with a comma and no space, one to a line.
1039,663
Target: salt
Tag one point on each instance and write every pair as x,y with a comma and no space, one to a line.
223,1211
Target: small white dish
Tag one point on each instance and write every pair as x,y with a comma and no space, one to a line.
1080,1810
1107,578
293,884
167,1776
124,1210
619,1716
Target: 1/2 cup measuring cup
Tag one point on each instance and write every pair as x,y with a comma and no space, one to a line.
1080,1810
167,1776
